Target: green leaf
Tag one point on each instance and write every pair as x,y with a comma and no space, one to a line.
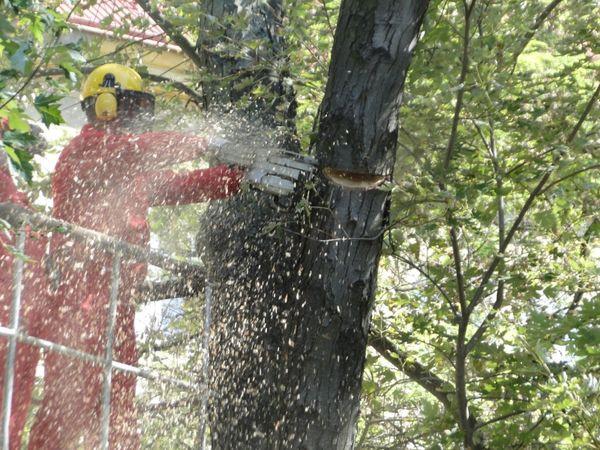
19,61
5,26
106,21
21,162
51,115
11,153
76,56
47,106
547,219
16,121
37,29
46,99
71,72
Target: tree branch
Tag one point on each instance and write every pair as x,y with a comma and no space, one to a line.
157,407
531,429
437,387
466,422
461,88
184,287
327,16
432,281
570,175
460,360
365,431
503,417
522,164
586,112
539,21
43,61
175,342
477,296
460,281
578,296
575,303
172,32
122,47
182,87
501,233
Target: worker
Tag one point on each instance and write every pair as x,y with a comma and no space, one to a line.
33,298
106,178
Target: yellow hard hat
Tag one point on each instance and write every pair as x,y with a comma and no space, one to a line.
125,77
111,87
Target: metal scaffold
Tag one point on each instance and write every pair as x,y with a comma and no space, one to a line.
20,218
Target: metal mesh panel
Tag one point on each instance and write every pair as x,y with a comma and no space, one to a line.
19,217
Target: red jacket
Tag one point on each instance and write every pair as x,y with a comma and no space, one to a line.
107,182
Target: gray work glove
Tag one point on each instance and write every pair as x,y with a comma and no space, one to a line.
272,170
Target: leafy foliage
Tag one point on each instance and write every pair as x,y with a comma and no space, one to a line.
528,369
29,41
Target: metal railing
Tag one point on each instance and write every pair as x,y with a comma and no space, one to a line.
19,218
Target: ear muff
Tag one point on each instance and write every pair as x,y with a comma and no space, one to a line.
108,100
106,105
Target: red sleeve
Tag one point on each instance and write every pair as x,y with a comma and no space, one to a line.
97,154
170,188
165,147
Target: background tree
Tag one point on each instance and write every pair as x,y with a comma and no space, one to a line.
29,40
489,280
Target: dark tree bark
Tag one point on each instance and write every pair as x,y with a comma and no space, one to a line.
293,293
225,57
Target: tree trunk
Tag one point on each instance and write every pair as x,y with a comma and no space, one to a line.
293,291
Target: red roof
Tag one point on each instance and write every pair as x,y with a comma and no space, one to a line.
118,18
